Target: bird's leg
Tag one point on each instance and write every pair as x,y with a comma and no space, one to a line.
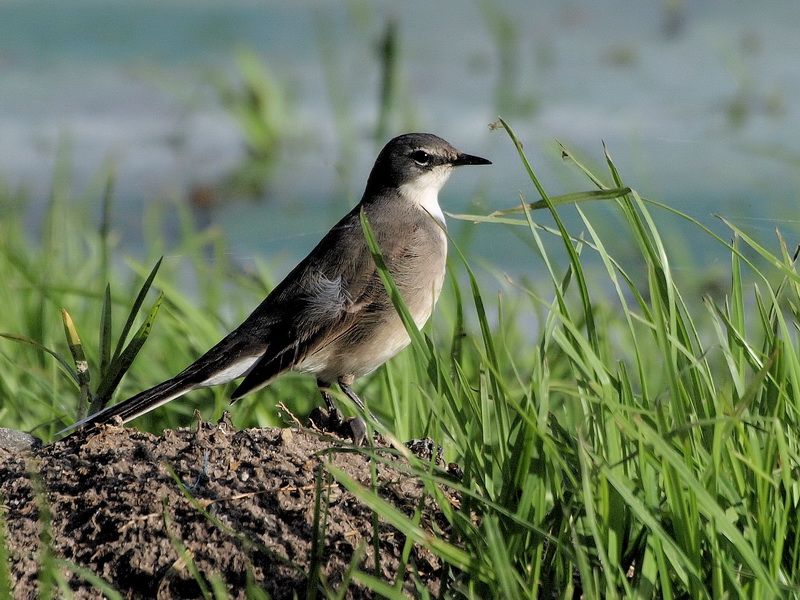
344,384
357,425
358,429
334,414
324,386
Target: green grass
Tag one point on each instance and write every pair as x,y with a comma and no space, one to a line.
640,444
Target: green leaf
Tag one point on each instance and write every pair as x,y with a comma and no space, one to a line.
448,552
81,364
574,198
137,304
62,362
105,332
121,363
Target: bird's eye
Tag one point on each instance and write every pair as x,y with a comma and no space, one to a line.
421,157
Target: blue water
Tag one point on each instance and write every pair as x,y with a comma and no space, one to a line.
703,117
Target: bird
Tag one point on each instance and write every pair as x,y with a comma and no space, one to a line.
331,316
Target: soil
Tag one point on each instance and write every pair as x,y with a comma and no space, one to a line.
144,512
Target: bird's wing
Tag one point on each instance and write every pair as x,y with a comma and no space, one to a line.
331,291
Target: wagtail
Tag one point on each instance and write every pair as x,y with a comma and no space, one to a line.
331,316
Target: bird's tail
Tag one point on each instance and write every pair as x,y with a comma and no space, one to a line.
226,361
137,405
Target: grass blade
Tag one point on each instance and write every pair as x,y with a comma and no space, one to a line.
62,362
137,304
121,363
81,364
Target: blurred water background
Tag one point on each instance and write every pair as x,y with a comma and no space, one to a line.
697,101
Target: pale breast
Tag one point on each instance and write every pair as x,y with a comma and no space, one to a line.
377,336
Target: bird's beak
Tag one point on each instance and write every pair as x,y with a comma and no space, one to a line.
469,159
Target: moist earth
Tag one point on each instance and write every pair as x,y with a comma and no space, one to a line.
162,517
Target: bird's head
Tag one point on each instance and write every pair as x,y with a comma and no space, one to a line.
421,161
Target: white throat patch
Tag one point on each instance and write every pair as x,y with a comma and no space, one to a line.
424,190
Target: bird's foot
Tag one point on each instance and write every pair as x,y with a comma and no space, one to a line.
326,420
358,430
332,421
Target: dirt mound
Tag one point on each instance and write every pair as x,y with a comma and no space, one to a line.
144,512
